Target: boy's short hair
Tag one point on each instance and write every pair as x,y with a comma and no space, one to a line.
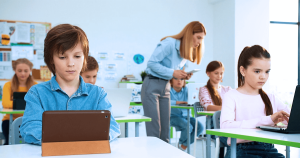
62,38
92,64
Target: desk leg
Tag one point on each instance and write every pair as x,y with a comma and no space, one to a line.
208,137
188,131
10,126
233,147
137,130
126,129
287,151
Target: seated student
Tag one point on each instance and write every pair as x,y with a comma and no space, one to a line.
89,75
249,106
210,96
21,82
178,119
65,53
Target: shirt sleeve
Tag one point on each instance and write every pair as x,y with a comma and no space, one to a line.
104,104
6,98
204,97
280,106
228,116
163,49
31,128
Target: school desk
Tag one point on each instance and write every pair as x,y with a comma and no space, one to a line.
10,112
132,118
209,115
259,136
133,147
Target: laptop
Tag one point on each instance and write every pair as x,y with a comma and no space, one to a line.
75,125
18,101
293,126
120,100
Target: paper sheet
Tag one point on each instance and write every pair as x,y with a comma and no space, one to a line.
21,52
23,33
39,35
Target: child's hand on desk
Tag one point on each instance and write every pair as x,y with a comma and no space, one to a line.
280,116
181,102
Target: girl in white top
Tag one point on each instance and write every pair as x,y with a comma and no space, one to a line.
210,96
249,106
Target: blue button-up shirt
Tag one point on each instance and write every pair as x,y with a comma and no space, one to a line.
165,59
49,96
179,96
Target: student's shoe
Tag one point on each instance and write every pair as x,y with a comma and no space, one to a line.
179,147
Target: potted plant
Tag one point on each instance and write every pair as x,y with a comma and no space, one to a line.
143,75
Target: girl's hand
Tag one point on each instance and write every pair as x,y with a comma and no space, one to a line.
179,74
280,116
189,76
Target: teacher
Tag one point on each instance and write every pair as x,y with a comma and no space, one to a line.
167,62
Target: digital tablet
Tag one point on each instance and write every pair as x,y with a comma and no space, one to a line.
193,71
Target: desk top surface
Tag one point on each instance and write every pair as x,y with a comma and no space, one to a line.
178,106
208,113
11,111
258,135
133,118
134,147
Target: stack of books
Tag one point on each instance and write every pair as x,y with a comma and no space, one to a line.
129,78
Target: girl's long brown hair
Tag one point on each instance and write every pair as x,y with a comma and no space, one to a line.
186,41
247,54
15,82
215,96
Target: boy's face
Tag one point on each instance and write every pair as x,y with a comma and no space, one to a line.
69,64
90,76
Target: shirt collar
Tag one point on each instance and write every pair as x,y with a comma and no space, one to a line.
173,90
82,89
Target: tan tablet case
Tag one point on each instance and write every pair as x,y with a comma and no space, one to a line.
75,132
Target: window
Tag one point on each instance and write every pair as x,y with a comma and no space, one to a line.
283,47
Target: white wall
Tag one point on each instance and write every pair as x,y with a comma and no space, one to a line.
130,27
224,31
238,23
251,27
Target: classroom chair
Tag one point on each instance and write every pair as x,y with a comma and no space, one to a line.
216,122
197,108
16,136
177,130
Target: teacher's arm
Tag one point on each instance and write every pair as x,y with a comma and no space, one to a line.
163,49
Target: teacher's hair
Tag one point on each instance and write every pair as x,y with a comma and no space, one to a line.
245,60
187,51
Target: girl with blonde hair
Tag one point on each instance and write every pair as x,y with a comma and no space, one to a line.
21,82
166,62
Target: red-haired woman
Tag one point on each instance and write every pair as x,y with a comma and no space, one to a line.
166,62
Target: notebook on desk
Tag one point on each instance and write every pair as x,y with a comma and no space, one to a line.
75,132
292,126
18,101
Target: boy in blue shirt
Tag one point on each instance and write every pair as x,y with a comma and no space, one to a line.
65,53
178,119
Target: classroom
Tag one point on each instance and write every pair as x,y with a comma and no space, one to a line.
227,92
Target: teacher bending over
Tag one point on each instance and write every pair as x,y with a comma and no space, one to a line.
167,62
